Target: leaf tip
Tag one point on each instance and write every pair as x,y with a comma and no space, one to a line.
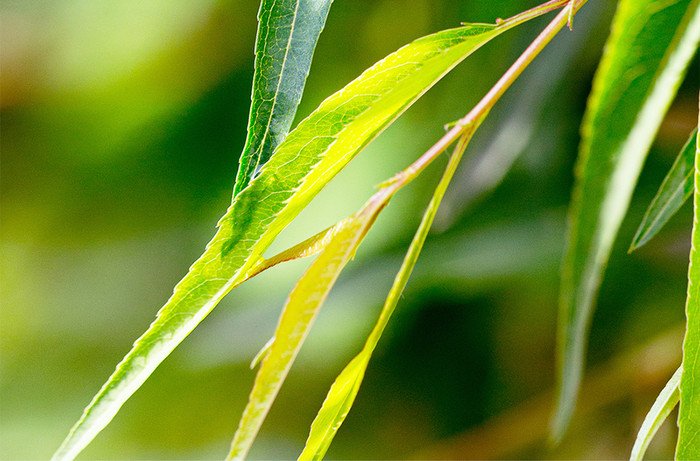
640,239
633,246
262,353
557,429
564,406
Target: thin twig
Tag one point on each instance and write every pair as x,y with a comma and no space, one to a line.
479,112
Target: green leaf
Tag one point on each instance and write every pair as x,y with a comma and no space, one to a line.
311,155
300,310
676,188
335,408
343,391
689,414
645,57
287,34
665,402
308,247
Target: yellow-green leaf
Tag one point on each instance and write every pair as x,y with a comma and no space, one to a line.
335,408
300,310
343,391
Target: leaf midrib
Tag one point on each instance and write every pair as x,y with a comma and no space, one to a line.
279,83
667,204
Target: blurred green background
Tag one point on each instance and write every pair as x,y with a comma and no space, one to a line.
121,127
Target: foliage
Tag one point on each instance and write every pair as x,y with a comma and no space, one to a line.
673,193
624,112
646,56
667,400
689,387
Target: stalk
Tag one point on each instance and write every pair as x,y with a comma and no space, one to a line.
479,112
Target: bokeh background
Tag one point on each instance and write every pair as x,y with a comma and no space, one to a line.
121,127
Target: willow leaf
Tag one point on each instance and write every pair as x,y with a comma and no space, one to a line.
308,247
343,391
645,57
309,157
287,34
335,408
665,402
676,188
689,414
300,310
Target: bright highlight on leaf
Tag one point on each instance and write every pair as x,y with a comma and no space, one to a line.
287,34
665,402
689,413
645,58
676,188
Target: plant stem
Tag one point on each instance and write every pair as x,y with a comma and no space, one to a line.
343,391
463,130
416,246
479,112
534,12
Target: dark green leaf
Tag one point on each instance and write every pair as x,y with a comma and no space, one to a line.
287,34
676,188
647,53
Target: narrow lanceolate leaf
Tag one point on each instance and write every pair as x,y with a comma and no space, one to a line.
335,408
287,34
665,402
689,414
645,57
343,391
676,188
310,156
299,312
